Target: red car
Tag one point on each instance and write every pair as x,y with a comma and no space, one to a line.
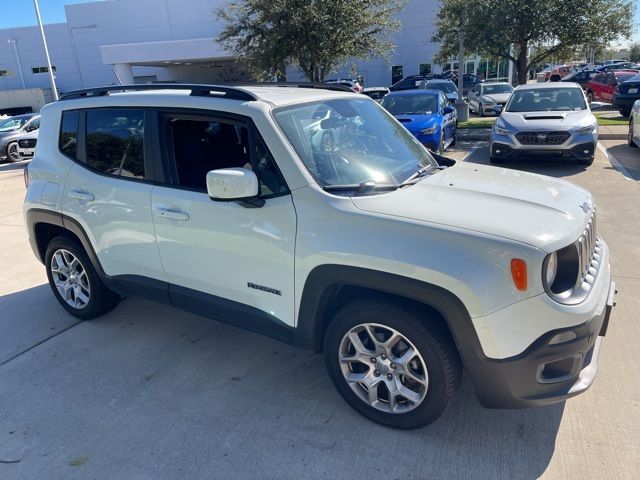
602,86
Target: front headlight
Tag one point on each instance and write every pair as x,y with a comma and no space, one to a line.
501,131
429,131
551,268
588,130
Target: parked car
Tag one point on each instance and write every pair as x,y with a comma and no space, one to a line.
633,137
603,85
626,93
350,83
489,97
445,86
407,83
27,144
376,93
562,70
545,120
610,67
580,77
10,129
401,270
427,114
469,80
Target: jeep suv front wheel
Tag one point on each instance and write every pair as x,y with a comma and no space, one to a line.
75,282
390,364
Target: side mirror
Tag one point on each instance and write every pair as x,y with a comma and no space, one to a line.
447,110
497,108
234,184
595,105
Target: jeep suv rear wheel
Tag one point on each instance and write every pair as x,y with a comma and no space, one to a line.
75,282
390,364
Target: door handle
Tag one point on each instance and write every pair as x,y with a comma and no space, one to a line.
78,195
172,214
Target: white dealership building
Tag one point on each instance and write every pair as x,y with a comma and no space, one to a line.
138,41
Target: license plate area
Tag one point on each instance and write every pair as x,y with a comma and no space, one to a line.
633,90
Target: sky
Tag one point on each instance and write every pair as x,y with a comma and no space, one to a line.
20,13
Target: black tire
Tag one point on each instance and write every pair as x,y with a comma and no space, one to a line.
590,96
432,341
630,141
12,152
101,299
625,112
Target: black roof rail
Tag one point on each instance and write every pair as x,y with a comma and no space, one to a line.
223,91
320,86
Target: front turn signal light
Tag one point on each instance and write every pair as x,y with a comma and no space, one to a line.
519,273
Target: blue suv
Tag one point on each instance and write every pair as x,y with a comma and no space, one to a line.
427,114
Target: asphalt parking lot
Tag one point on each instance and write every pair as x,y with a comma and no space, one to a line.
150,392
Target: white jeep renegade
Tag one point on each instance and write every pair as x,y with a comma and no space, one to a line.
312,216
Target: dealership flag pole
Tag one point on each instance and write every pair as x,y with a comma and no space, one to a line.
46,52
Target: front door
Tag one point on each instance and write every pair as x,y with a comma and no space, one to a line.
224,254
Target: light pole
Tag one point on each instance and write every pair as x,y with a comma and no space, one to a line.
14,42
46,51
461,106
75,52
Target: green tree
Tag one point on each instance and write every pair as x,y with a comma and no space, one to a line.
634,52
529,32
315,36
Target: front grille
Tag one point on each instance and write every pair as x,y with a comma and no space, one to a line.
27,143
589,249
542,138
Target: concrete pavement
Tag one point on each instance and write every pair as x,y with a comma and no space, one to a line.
150,392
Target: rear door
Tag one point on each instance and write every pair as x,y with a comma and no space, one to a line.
224,256
108,189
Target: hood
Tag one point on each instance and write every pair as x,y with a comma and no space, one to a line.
33,134
415,123
552,120
10,133
452,95
541,211
498,97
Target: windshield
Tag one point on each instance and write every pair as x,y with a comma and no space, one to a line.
495,89
12,123
546,99
415,104
446,87
350,141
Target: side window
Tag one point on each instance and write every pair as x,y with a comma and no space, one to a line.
33,125
271,181
200,146
68,141
203,145
115,142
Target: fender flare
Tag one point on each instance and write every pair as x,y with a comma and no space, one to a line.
323,281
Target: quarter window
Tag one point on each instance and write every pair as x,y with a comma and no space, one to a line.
115,142
68,141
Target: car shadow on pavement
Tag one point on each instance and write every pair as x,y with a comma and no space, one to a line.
149,391
7,167
628,157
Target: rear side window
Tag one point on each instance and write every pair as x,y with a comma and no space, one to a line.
115,142
68,141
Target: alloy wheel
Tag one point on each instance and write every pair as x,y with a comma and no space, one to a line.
12,152
70,278
383,368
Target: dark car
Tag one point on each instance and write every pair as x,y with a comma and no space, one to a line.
581,77
408,83
614,66
10,129
625,95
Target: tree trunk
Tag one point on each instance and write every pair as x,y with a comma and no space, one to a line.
521,66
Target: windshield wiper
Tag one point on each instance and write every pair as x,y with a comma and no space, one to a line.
361,187
419,173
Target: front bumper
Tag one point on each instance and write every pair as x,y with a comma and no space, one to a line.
580,146
560,364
